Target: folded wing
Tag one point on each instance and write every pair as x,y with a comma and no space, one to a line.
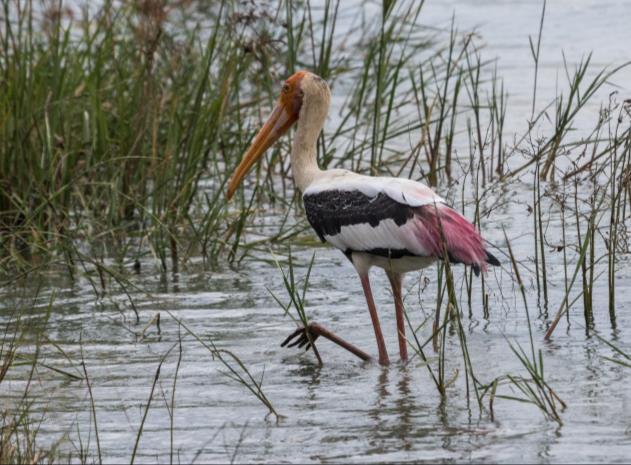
392,217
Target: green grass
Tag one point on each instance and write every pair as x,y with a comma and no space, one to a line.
119,128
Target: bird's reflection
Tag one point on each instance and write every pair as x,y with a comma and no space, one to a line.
381,389
393,409
404,407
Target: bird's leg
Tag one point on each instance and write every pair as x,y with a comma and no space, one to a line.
381,345
316,330
395,281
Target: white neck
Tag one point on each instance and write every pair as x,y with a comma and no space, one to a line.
304,163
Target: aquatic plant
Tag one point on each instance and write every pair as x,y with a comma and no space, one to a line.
119,124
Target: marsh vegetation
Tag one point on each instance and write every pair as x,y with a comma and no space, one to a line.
141,313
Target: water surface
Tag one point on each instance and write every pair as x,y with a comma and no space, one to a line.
349,410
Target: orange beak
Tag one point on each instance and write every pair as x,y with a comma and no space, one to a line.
277,124
284,115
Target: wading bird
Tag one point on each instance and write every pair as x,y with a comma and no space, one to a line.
396,224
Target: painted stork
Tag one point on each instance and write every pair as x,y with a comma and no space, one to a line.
396,224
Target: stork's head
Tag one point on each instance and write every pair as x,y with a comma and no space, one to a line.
304,95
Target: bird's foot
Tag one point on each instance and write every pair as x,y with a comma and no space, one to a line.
302,337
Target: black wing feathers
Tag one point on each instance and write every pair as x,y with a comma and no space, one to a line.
328,211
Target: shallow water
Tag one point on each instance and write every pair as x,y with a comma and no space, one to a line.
349,410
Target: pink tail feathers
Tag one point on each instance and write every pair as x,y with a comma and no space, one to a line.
441,229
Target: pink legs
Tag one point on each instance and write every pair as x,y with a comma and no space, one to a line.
395,282
381,345
300,338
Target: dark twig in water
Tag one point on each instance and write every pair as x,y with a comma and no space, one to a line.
92,405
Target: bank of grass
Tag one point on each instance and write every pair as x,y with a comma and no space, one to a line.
120,124
109,122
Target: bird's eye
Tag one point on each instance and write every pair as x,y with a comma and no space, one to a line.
285,88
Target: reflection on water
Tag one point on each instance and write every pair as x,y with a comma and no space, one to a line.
347,410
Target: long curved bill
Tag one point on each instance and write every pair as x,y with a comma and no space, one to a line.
277,124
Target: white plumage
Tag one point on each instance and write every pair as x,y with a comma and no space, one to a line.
404,191
397,224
